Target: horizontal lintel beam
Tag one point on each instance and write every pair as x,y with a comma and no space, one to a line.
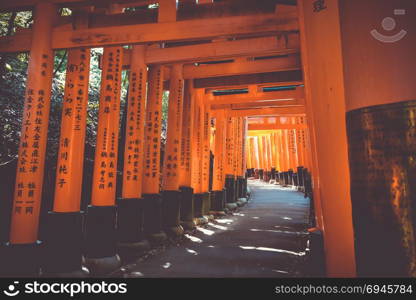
278,111
237,26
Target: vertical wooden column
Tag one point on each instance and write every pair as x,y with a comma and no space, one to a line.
197,156
300,142
229,175
185,168
151,172
321,55
378,47
72,139
101,219
64,231
130,206
218,191
256,156
280,150
244,161
249,155
241,178
291,139
273,154
206,135
32,147
260,150
172,157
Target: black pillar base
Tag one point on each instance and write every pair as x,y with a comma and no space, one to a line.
153,219
63,245
187,207
101,240
290,177
240,183
171,201
230,186
261,173
20,260
315,264
273,174
300,177
206,203
198,205
217,201
130,234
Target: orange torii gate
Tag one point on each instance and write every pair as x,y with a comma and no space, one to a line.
252,58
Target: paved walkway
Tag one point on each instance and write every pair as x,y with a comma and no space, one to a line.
265,238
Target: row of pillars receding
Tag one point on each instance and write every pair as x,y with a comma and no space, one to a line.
161,194
278,150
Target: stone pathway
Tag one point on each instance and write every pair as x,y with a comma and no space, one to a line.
265,238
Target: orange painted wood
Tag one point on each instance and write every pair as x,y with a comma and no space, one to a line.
273,149
219,154
105,162
187,134
288,110
206,134
296,94
261,149
34,133
259,105
151,175
256,152
70,163
322,55
256,127
229,146
171,31
285,145
167,11
217,50
284,63
172,156
136,114
197,145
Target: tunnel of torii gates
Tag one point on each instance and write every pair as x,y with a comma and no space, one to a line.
277,88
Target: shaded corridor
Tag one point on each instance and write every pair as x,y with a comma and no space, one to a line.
265,238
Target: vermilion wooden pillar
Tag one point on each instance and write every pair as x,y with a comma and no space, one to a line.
256,157
229,175
101,218
378,54
130,206
249,155
197,156
325,102
23,246
172,156
151,172
218,190
282,156
64,232
185,168
300,142
205,162
273,154
260,151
